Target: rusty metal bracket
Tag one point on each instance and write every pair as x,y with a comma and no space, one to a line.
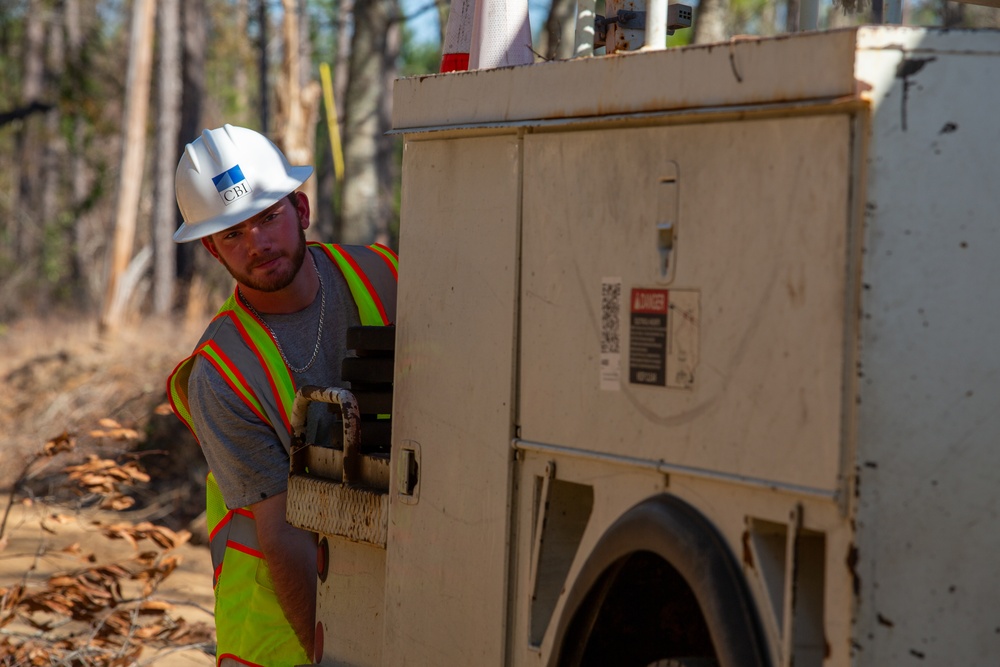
351,416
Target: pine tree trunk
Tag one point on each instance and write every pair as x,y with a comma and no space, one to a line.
54,150
952,14
298,101
341,68
140,64
710,23
241,81
262,65
79,169
193,18
362,207
341,73
557,40
26,236
792,9
167,127
388,172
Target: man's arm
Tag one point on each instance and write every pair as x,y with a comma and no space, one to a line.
291,556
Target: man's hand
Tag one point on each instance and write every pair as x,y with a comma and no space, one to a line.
291,557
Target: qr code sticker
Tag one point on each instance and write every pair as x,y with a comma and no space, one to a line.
611,297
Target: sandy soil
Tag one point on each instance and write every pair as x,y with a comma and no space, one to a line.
60,377
35,553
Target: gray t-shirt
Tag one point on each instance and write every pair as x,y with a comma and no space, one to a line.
245,454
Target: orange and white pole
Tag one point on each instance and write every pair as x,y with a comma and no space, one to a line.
458,36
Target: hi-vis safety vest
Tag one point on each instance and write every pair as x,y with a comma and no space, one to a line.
250,625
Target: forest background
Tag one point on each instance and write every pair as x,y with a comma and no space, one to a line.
97,304
98,98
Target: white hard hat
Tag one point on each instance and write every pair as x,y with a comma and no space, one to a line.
228,175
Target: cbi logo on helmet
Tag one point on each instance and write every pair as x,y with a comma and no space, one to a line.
232,185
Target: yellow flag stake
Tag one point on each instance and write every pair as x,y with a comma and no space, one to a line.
331,122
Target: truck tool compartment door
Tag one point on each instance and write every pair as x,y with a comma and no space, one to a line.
760,256
446,593
744,379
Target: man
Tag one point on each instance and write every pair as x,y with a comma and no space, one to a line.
283,327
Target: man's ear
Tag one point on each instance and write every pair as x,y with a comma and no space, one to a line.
302,208
210,246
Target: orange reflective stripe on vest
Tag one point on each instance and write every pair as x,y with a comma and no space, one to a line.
237,530
389,256
261,366
361,266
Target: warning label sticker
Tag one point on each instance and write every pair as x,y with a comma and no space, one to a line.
663,338
647,362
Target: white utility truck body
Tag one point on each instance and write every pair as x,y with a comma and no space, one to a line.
696,359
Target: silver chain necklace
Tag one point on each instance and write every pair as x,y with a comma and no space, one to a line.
319,330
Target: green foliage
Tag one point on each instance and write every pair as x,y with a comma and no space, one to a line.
747,17
11,36
87,92
55,249
232,72
324,21
680,37
418,58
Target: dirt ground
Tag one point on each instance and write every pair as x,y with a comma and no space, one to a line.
35,554
66,562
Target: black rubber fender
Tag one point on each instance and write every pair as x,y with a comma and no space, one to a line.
682,536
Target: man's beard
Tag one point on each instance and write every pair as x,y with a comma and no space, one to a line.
274,282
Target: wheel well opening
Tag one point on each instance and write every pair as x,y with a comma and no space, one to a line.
640,611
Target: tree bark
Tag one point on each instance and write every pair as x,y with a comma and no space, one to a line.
194,36
952,14
80,179
557,40
53,148
792,9
26,229
388,171
341,66
710,24
341,73
298,103
262,65
363,214
133,155
241,81
310,101
167,129
192,100
74,51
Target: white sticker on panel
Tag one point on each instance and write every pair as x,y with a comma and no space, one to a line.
611,305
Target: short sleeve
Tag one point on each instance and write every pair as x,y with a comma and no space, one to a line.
243,451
